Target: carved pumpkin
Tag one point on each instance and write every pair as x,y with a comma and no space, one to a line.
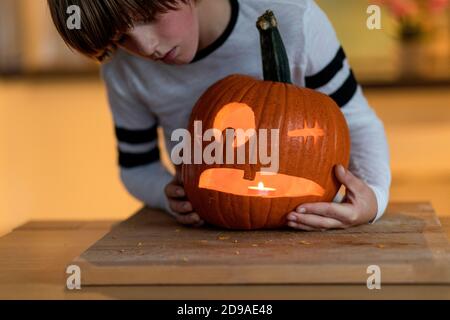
313,138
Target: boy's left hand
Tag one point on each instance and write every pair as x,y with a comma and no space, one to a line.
358,207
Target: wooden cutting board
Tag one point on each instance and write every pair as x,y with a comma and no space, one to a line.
408,244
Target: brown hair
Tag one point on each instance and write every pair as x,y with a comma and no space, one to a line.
102,20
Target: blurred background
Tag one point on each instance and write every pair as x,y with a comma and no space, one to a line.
57,150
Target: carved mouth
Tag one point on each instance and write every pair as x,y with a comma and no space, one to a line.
232,181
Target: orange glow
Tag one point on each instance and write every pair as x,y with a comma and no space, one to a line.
260,189
237,116
314,132
232,181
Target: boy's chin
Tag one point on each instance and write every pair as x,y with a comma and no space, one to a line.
183,62
175,62
181,59
184,58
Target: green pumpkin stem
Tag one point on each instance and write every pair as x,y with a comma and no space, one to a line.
274,57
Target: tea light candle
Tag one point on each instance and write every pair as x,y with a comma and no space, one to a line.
260,190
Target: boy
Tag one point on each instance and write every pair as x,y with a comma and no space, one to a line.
166,53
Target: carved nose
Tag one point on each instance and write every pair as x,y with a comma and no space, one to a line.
250,172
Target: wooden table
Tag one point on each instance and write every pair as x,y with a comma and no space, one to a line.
34,256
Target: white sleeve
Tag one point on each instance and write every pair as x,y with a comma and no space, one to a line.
141,170
329,72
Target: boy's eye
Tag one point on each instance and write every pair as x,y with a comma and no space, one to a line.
119,39
122,39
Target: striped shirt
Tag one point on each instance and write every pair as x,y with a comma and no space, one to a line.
144,94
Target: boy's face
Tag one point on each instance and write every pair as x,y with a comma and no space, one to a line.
173,37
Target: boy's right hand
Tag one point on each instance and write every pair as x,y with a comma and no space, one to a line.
179,204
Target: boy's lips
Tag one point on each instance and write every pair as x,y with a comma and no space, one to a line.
170,56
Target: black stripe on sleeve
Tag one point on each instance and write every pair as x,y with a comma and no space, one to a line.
326,74
132,160
137,136
346,92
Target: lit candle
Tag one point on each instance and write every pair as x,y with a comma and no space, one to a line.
260,190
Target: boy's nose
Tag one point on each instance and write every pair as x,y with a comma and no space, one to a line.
147,47
150,50
145,43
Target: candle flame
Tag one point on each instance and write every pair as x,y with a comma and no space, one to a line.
261,187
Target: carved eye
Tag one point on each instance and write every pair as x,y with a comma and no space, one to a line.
236,116
306,132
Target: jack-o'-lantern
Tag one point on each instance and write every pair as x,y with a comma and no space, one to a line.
312,137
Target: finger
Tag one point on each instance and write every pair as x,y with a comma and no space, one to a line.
317,221
199,224
178,174
347,178
180,206
174,191
300,226
191,218
188,219
343,212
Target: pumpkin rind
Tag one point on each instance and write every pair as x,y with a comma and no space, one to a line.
276,105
